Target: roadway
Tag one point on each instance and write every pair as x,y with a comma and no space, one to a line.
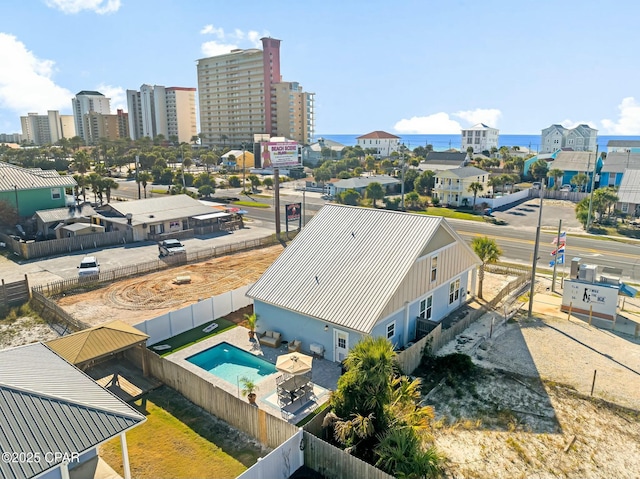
517,244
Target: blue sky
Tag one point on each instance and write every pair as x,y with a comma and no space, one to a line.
424,66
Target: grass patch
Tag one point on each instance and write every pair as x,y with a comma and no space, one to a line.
254,204
449,213
194,336
158,191
315,412
180,440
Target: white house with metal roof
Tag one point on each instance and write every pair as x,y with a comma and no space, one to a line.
629,193
360,271
53,417
452,186
152,218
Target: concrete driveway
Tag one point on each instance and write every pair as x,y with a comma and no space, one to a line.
525,215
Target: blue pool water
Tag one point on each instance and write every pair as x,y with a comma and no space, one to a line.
230,363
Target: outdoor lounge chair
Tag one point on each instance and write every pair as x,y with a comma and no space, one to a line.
295,345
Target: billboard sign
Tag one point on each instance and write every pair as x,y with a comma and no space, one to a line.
583,297
278,154
293,214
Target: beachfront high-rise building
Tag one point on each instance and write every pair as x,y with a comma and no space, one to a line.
242,94
580,138
157,110
47,129
98,125
88,102
480,137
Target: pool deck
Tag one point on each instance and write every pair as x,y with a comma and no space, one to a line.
325,374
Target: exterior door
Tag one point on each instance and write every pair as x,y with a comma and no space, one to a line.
340,345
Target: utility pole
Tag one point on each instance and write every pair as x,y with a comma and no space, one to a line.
535,251
243,168
593,180
555,261
137,181
276,185
402,185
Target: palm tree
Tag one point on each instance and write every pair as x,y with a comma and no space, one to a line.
109,185
374,192
82,161
555,173
488,252
474,188
81,183
580,180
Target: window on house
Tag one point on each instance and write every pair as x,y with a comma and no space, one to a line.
625,207
434,268
391,330
454,291
426,307
55,194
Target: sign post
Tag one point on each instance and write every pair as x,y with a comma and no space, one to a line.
293,214
555,263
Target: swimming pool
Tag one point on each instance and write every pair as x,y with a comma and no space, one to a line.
230,363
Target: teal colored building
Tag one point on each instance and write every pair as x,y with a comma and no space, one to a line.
548,157
32,189
615,165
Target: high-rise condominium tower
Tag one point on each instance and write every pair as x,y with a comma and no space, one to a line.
156,110
241,94
87,102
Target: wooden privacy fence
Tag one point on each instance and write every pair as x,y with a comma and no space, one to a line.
48,309
334,463
12,294
38,249
269,430
410,358
110,275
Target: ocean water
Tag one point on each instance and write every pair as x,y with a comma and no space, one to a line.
444,142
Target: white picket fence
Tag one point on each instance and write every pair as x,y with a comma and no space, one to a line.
181,320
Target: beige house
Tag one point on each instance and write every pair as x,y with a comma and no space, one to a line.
452,186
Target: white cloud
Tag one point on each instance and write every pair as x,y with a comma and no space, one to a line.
488,116
628,122
213,48
28,86
117,94
76,6
569,124
437,124
228,41
211,30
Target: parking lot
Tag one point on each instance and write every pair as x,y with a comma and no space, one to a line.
47,270
525,215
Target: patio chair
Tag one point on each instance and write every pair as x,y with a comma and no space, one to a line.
295,346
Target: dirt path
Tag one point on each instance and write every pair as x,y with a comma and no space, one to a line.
148,296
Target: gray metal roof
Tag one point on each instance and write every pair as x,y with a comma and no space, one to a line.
164,208
464,172
61,214
574,161
446,157
13,177
46,404
619,161
629,191
364,181
624,143
347,264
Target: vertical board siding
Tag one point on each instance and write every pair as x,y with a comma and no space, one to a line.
334,463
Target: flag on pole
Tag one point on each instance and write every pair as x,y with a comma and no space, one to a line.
563,238
559,250
560,260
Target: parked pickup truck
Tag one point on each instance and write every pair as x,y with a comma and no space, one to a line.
171,247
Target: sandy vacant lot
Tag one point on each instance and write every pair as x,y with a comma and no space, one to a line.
145,297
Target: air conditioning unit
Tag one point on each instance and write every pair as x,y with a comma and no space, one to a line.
588,272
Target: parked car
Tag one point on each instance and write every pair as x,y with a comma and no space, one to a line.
171,247
89,266
566,188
